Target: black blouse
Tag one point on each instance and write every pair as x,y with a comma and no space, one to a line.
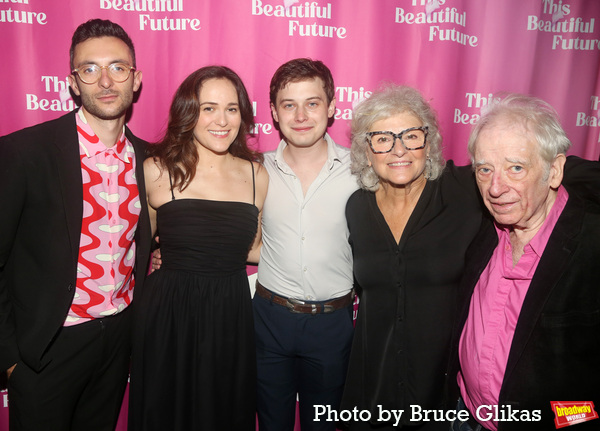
408,295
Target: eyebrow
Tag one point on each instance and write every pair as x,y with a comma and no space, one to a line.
307,99
97,63
517,161
216,103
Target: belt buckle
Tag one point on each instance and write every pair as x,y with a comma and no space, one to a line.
291,304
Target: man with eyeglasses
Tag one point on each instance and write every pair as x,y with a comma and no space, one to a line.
74,244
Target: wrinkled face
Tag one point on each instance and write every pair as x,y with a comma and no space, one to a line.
105,99
399,167
220,118
517,185
302,112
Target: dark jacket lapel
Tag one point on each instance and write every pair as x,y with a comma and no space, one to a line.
68,173
143,233
553,263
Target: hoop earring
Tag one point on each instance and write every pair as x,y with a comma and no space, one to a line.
365,172
428,167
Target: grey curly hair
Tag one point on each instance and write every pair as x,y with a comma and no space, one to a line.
389,100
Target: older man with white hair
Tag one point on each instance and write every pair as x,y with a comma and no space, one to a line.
531,331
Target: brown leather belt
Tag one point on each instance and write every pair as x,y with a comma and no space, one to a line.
298,306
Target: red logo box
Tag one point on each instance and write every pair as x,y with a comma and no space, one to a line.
568,413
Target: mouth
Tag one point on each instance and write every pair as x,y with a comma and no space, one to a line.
399,164
502,206
301,129
219,133
107,96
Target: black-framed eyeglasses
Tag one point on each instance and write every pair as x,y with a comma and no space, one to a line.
414,138
91,73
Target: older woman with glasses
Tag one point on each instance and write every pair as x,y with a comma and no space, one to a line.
410,225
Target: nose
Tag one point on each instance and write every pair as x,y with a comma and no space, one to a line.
105,79
399,149
498,185
221,119
300,115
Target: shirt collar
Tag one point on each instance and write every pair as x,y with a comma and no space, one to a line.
540,239
90,145
333,155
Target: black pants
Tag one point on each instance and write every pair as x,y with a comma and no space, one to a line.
299,354
83,384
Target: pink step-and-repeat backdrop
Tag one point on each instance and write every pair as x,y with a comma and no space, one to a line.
459,53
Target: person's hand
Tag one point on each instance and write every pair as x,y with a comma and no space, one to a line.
156,260
10,370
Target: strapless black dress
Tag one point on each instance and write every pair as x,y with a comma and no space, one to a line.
194,357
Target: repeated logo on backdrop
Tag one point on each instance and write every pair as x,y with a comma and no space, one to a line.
590,118
562,36
56,95
474,104
155,15
18,16
346,99
569,32
56,98
445,23
304,19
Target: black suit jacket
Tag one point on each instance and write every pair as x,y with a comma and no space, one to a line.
555,353
41,195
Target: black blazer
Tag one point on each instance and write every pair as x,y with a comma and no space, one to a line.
41,195
555,353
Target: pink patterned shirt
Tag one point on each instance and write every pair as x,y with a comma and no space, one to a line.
493,314
111,209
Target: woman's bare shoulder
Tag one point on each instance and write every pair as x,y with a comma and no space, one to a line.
152,168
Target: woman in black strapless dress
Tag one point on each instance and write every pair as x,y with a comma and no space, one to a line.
193,364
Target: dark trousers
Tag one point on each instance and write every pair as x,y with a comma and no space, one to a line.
470,425
83,384
299,354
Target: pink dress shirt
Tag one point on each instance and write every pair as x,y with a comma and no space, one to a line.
493,314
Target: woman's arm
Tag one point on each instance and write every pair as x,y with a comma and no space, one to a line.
262,185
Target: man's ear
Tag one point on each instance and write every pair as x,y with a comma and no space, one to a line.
557,170
73,84
274,113
137,80
331,109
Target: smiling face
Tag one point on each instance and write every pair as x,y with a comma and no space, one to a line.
105,99
220,119
302,112
400,167
517,185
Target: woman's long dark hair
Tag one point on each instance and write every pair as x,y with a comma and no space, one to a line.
177,151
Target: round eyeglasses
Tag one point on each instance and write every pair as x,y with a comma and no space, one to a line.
414,138
91,73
